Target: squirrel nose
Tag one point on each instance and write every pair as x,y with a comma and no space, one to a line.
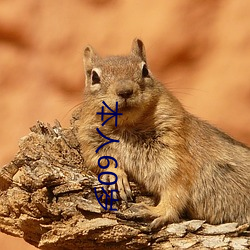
124,93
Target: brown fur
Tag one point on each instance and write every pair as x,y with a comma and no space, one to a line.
189,165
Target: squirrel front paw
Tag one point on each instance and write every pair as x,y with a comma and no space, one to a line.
122,184
124,187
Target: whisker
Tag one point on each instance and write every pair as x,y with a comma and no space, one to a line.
71,109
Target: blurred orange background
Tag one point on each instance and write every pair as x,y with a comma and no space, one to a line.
200,49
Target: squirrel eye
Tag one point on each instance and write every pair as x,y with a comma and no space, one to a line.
145,72
95,78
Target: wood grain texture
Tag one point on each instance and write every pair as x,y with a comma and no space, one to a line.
47,198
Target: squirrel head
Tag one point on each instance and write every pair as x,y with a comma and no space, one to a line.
123,79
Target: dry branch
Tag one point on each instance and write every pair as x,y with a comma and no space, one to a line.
47,197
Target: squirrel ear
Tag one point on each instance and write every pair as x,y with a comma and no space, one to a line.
89,57
138,49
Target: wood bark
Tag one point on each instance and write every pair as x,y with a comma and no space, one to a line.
47,198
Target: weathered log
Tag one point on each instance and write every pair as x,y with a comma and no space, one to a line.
47,198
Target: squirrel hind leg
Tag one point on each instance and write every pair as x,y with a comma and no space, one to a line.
164,214
168,210
162,220
159,214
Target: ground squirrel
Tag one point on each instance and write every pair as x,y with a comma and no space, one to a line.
191,167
